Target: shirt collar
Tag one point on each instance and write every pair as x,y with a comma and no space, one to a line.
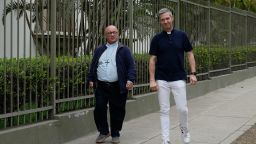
171,32
112,45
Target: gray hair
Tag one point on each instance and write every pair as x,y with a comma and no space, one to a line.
165,10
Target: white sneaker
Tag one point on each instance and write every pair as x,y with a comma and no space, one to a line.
185,136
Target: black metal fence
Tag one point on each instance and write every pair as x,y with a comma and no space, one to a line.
46,47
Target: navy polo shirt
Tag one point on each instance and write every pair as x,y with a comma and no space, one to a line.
169,50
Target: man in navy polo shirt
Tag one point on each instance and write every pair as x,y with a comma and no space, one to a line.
167,73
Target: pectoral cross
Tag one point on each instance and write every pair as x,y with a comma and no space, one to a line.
107,62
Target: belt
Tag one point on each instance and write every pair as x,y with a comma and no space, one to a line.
109,84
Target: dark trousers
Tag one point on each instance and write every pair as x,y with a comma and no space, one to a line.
109,93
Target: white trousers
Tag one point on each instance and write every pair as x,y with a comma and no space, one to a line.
178,89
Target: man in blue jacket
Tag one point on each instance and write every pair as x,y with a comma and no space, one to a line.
112,72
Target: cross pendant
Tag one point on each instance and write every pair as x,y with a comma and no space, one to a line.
107,62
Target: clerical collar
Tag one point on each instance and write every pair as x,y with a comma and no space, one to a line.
170,32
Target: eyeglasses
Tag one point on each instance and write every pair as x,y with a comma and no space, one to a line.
112,33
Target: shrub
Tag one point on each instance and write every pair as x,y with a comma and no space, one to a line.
238,55
27,79
26,83
251,55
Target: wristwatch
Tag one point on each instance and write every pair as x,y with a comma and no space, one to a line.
193,73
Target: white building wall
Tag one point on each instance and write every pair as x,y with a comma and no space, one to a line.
18,41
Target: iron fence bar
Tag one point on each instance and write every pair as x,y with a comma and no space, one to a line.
248,31
218,70
251,14
251,62
53,53
193,3
13,114
219,9
18,65
230,37
41,37
58,42
65,36
209,36
237,65
68,53
17,103
36,57
176,1
202,74
30,61
177,16
24,66
83,43
11,65
141,85
5,67
238,11
246,39
130,17
73,33
74,98
77,36
49,102
80,86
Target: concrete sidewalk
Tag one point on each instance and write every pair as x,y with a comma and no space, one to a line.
218,117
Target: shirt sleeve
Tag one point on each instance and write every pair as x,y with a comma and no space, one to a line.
153,46
187,45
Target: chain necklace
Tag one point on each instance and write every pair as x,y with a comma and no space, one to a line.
109,55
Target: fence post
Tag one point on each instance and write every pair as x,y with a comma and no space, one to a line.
177,15
246,38
53,52
130,18
230,38
209,38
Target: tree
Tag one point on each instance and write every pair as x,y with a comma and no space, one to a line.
40,15
249,5
21,7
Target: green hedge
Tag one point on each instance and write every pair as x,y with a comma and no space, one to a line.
71,76
24,78
210,58
142,71
238,55
251,55
218,57
29,78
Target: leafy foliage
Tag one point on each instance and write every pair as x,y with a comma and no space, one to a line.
249,5
26,83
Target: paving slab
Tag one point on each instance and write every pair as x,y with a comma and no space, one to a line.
218,117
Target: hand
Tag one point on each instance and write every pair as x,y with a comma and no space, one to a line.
192,79
90,84
129,85
153,85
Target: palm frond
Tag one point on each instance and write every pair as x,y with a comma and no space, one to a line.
20,7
